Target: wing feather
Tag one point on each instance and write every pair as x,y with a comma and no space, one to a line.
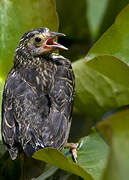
61,97
32,118
8,126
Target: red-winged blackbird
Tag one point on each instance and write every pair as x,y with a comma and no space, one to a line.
38,95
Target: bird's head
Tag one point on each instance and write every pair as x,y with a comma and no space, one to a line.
40,41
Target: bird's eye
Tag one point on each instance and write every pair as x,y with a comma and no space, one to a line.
38,39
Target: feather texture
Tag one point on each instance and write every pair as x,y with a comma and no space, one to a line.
37,105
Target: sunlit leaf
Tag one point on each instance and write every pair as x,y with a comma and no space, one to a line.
101,85
55,158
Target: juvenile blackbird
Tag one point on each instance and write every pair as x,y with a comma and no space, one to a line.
38,95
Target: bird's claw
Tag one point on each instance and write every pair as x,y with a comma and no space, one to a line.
73,150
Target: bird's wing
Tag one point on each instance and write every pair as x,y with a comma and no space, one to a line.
34,119
8,124
61,97
46,116
23,114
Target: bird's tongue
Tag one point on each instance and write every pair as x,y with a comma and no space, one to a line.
59,46
51,44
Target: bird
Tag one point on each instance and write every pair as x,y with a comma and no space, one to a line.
38,95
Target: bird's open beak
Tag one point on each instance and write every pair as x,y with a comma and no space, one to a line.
50,43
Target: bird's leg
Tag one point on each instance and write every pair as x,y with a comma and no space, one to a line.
73,150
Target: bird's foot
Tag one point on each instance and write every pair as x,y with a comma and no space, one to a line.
73,150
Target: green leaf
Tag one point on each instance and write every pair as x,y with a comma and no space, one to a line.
92,156
95,12
17,17
115,40
101,85
115,128
56,158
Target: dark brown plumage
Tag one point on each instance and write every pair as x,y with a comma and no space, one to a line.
38,96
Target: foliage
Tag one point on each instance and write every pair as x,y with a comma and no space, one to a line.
102,85
102,89
90,147
115,40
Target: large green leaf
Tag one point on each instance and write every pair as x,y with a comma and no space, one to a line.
17,17
92,154
101,85
92,157
56,158
115,41
116,130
